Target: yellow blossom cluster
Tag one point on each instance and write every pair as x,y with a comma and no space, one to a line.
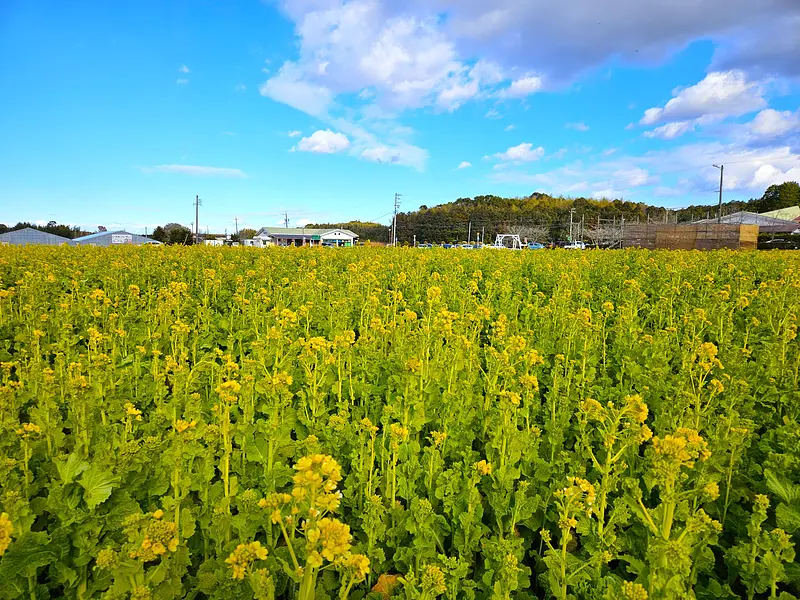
683,447
6,529
132,411
181,425
483,468
228,391
244,556
159,537
28,430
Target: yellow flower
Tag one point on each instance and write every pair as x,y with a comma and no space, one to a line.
483,467
633,591
244,556
334,538
637,408
433,581
6,529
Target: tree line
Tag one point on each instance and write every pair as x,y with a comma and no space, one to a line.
483,217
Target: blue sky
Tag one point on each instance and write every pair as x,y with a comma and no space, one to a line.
119,113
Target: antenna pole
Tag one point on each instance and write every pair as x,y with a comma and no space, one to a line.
197,204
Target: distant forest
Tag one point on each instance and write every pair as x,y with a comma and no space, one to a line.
490,215
66,231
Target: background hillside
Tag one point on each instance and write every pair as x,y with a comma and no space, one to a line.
540,215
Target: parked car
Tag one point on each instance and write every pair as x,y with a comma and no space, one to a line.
575,246
535,246
424,245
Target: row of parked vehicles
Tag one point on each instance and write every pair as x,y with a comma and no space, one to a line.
523,246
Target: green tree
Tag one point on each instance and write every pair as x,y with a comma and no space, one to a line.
779,196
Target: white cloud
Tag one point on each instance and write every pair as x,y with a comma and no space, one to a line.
773,123
524,152
609,151
510,128
670,130
289,87
181,81
464,165
635,177
184,69
493,114
719,94
324,141
197,171
295,133
228,133
302,222
240,87
402,154
522,87
581,126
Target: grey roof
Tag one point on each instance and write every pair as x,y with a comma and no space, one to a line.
301,231
104,238
30,236
750,218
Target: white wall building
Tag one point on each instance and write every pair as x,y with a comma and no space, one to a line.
304,236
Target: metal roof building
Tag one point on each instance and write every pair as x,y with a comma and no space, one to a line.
32,237
112,238
765,224
790,213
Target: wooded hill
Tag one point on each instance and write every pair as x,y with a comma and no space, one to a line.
490,215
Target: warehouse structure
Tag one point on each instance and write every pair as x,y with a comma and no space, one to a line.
790,213
32,237
113,238
303,236
765,223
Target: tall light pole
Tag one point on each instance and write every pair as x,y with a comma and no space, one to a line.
719,208
394,219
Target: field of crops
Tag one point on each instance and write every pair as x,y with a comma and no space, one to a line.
316,423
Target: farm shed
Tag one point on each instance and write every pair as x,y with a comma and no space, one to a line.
790,213
765,223
696,236
113,238
303,236
32,237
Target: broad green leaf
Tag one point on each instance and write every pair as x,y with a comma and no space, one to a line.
98,485
25,554
68,470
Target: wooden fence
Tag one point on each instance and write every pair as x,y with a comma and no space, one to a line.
705,236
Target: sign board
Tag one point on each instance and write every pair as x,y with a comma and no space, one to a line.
315,237
121,238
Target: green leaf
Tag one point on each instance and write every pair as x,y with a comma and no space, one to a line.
69,469
788,518
25,554
98,485
781,488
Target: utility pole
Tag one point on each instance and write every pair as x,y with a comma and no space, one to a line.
719,209
571,211
197,204
236,222
394,219
286,220
415,240
469,232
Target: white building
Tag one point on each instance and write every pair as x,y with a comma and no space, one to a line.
214,242
303,236
113,238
